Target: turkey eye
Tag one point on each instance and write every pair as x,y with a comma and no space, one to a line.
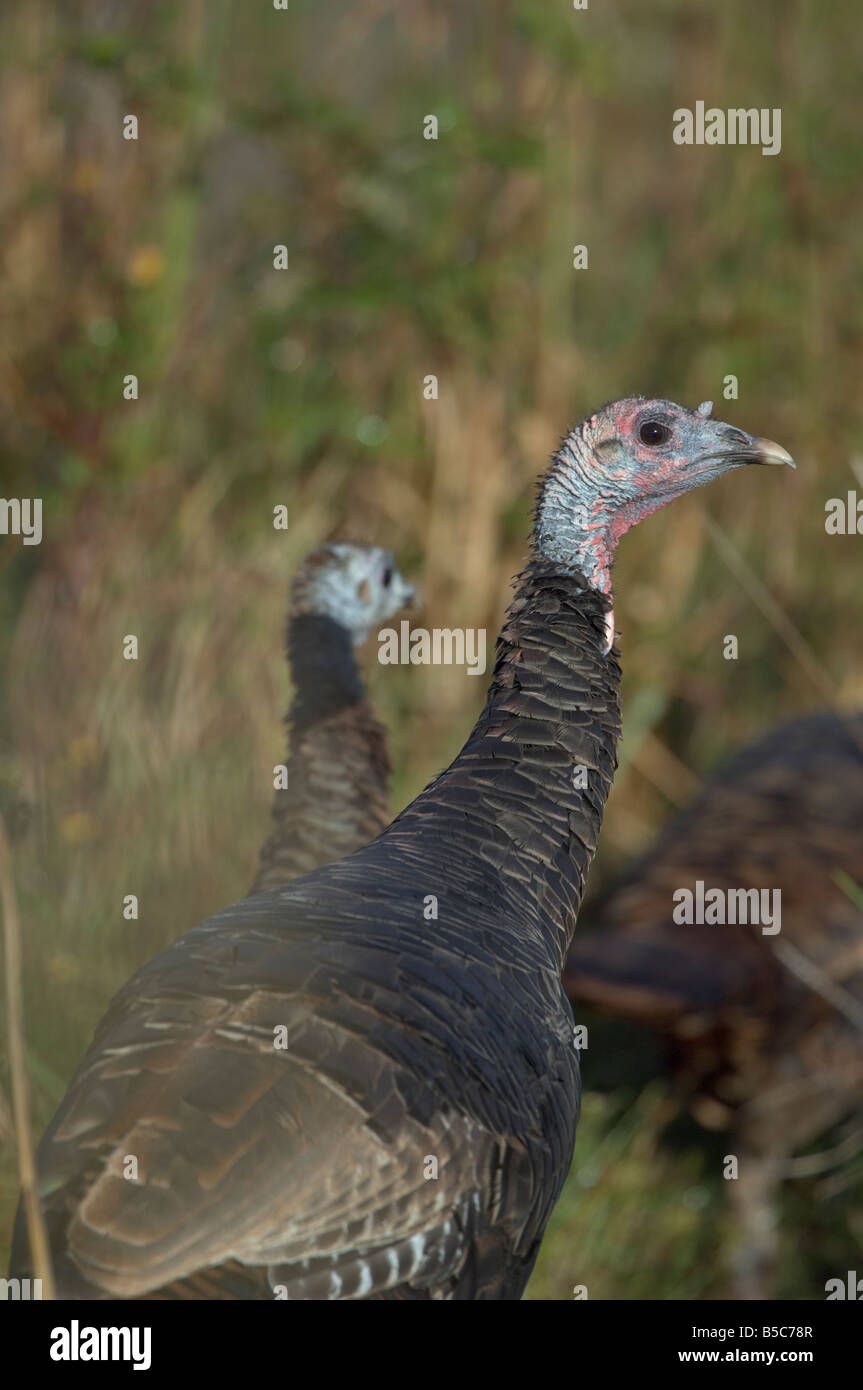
653,433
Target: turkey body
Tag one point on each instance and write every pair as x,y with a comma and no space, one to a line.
412,1137
365,1084
766,1029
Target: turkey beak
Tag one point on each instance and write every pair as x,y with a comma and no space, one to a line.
738,447
767,452
725,447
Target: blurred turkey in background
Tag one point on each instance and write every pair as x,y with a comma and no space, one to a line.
764,1027
335,797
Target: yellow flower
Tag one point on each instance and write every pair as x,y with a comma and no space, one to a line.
86,176
83,751
77,828
146,267
64,968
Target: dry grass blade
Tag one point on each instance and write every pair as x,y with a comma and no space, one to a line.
814,978
779,619
852,890
665,771
18,1071
812,1165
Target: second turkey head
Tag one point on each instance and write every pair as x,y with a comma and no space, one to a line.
355,585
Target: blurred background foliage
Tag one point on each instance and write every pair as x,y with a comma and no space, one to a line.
304,387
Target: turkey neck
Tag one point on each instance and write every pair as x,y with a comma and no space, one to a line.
323,668
337,762
516,816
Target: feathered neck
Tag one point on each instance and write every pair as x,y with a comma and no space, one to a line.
516,817
583,508
336,797
323,667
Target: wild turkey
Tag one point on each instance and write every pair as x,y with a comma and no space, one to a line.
338,769
766,1030
412,1138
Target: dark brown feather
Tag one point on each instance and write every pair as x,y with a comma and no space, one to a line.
337,797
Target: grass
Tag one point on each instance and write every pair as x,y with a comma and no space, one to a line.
256,387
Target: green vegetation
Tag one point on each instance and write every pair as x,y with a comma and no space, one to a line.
407,257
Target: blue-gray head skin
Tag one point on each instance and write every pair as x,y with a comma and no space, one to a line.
624,462
358,586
